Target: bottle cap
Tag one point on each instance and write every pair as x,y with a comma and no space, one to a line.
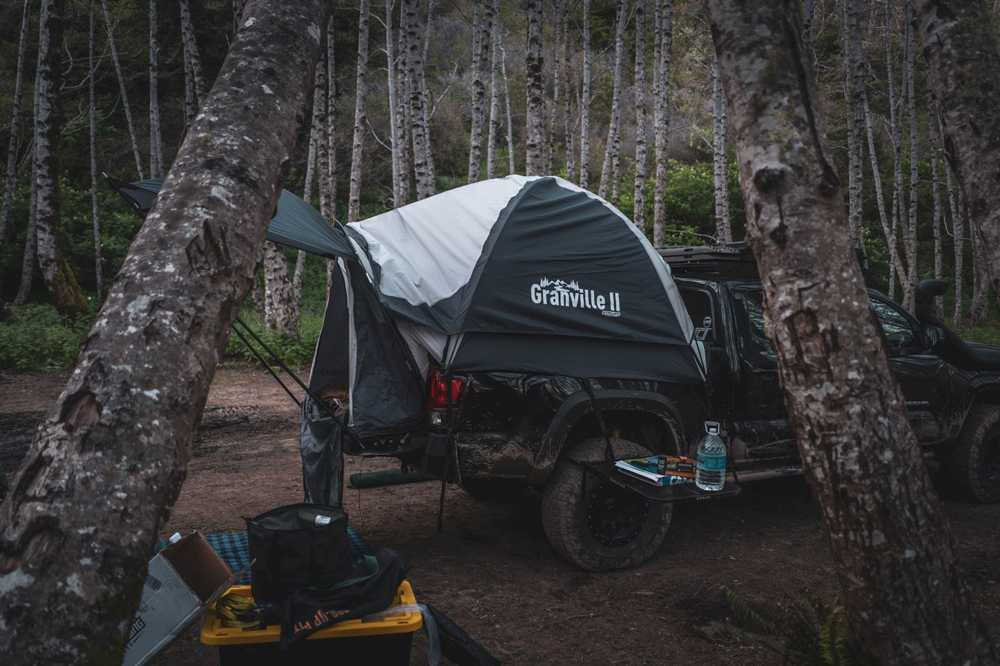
712,427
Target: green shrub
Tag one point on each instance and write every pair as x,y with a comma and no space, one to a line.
37,338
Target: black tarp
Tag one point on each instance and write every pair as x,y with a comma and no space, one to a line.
295,223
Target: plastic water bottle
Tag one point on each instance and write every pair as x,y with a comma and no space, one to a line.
711,472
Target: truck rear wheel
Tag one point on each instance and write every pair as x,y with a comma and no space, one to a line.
972,465
606,528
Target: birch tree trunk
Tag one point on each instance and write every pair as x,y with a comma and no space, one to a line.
330,122
585,102
639,189
403,121
510,124
958,232
550,149
567,100
281,308
98,273
483,29
360,117
121,85
961,49
155,141
910,242
979,308
534,148
891,543
10,182
935,188
321,111
661,115
720,132
390,70
494,129
300,259
852,67
613,147
895,132
59,279
30,242
79,524
422,168
192,63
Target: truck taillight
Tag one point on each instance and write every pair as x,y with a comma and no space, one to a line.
437,393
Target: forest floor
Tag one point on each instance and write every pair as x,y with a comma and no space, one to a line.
492,570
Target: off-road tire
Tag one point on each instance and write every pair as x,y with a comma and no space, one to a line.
971,466
565,512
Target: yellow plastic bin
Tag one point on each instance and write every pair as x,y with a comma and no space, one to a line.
354,642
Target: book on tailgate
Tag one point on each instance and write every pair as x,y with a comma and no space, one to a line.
659,470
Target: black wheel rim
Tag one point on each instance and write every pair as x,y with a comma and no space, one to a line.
991,459
615,517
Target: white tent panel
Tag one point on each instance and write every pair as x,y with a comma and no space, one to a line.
428,249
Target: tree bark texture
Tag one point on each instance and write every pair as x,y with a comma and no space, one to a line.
891,543
390,69
423,169
98,273
155,140
535,109
30,242
194,80
511,168
910,238
360,117
403,122
585,102
121,85
10,182
958,240
895,135
321,110
852,66
281,309
332,95
639,189
568,100
936,191
661,122
59,279
484,30
495,120
553,113
720,135
107,463
961,49
613,146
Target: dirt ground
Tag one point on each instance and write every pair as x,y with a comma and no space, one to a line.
492,571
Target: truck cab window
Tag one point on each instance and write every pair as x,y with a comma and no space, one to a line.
699,307
898,329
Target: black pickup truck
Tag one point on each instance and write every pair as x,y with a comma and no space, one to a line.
515,429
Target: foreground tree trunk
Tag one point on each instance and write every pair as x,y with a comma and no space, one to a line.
10,183
534,147
59,279
890,540
639,189
961,49
78,527
661,119
360,117
121,85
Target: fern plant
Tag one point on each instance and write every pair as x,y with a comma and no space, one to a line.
808,633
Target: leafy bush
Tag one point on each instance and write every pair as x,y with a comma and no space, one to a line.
38,338
294,350
808,633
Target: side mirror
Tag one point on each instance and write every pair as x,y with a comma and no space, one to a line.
933,336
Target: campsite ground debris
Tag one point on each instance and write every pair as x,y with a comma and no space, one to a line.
513,593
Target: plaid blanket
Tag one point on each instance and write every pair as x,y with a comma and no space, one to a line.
234,550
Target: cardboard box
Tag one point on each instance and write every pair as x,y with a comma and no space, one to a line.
184,579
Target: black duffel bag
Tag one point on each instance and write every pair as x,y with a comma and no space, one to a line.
297,547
